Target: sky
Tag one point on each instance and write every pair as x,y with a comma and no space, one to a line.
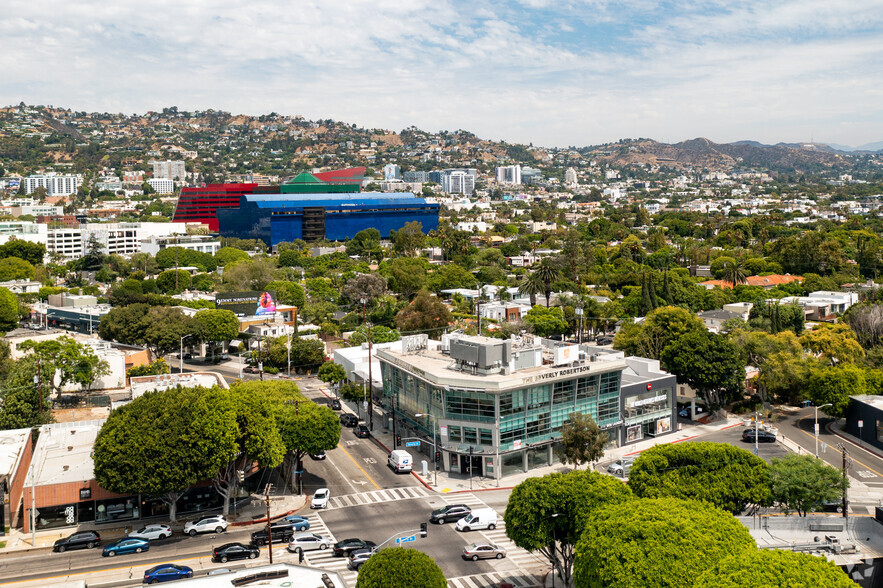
553,73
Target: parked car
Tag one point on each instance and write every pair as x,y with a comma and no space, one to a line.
125,545
281,533
188,356
208,524
349,420
451,512
687,412
152,532
251,369
298,522
362,431
347,546
762,436
80,540
358,557
334,404
166,573
320,498
318,456
308,542
233,551
477,551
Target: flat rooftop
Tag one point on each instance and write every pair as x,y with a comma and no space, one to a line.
141,384
64,453
12,444
875,401
437,367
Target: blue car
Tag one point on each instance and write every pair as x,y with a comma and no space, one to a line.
125,545
166,573
300,523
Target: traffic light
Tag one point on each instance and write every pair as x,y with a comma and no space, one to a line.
300,556
422,530
240,475
398,440
437,456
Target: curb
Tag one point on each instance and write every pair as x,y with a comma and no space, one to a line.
874,451
264,520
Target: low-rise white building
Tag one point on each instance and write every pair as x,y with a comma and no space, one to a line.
54,184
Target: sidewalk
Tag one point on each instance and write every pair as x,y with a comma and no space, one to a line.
251,513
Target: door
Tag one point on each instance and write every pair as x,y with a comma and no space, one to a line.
470,465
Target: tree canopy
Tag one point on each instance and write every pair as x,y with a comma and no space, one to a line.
774,568
397,567
9,314
708,362
717,473
547,514
659,542
425,313
546,321
582,440
803,483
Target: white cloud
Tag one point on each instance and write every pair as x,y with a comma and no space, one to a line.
573,72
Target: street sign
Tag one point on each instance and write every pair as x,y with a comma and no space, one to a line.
412,444
406,539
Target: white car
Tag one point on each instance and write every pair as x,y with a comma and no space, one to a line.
307,542
320,498
208,524
152,532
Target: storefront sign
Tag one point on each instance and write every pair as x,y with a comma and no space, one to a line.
558,374
645,401
516,444
443,429
85,493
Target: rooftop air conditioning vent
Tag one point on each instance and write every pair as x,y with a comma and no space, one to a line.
66,468
70,447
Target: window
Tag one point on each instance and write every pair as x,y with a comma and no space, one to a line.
470,406
511,403
587,388
470,435
538,397
563,392
485,437
454,435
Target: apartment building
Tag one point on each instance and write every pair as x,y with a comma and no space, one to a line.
54,184
169,170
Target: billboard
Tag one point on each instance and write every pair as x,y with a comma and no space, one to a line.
566,354
247,303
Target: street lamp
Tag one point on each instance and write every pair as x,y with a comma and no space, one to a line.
434,446
181,355
816,427
367,324
756,422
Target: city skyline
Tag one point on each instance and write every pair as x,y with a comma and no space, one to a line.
551,74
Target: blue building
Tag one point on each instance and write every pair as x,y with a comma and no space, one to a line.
277,218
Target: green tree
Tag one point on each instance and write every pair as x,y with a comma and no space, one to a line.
33,253
305,353
548,272
154,368
409,239
226,255
216,326
426,314
9,313
834,385
162,443
397,567
407,275
661,326
725,476
547,514
14,268
835,343
532,285
379,334
125,324
331,372
61,362
659,542
582,440
546,321
367,287
365,243
246,275
173,281
774,568
164,326
734,273
451,276
288,293
307,427
803,483
172,257
709,363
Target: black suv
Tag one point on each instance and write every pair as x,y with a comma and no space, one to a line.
450,513
282,533
349,420
362,431
347,546
231,551
334,404
83,539
762,436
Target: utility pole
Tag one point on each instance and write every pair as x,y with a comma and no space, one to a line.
38,380
367,325
269,534
845,454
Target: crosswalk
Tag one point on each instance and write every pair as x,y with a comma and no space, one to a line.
521,558
324,558
388,495
493,580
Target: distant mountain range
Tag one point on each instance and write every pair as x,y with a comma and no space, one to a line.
877,146
866,148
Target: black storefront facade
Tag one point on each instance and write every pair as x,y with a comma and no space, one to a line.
864,419
648,407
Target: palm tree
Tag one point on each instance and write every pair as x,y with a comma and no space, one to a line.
532,285
734,273
548,273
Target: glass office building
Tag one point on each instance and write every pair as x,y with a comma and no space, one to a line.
497,406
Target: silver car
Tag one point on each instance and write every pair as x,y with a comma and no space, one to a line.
152,532
358,557
308,542
477,551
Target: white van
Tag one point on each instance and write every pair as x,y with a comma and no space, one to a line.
400,460
481,518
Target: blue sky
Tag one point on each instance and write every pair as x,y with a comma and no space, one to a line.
555,73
